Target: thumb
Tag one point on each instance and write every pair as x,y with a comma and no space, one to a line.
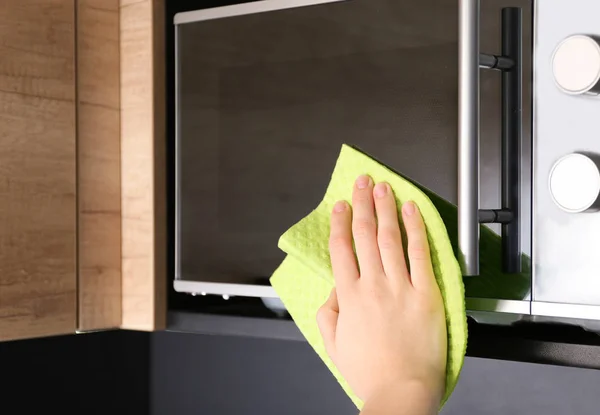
327,318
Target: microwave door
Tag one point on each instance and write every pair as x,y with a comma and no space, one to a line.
266,98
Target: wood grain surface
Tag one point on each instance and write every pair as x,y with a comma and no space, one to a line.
98,161
37,169
143,194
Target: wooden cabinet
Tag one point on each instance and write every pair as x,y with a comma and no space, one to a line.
38,198
82,217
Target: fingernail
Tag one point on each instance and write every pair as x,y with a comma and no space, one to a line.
339,206
380,190
409,208
363,181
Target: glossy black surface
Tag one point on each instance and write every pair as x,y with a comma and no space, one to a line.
534,343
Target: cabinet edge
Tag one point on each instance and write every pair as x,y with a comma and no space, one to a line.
143,143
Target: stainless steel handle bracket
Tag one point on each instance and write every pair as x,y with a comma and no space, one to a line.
469,62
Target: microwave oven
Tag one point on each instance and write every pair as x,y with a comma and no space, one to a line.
489,104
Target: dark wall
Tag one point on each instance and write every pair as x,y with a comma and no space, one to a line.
184,374
201,374
96,373
197,374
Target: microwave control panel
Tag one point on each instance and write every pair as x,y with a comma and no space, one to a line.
566,156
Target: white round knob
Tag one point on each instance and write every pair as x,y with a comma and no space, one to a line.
575,183
576,65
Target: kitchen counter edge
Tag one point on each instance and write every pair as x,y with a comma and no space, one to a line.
544,345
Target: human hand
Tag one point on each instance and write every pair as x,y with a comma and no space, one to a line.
383,326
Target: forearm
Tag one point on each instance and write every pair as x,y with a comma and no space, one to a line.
409,399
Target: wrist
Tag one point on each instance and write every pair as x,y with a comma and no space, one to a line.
403,395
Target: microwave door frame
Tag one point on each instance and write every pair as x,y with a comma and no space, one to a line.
231,289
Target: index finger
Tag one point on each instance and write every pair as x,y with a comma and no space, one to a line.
343,261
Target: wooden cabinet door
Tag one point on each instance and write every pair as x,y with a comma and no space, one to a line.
38,238
82,177
121,164
143,174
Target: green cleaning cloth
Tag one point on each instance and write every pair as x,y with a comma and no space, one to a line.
304,279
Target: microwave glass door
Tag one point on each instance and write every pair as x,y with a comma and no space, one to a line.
267,94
